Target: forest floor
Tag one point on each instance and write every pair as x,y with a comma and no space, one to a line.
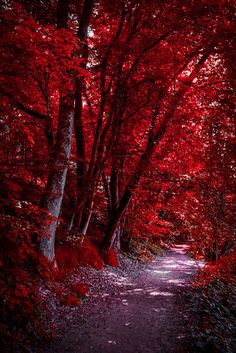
132,309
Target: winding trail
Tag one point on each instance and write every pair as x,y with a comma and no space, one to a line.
145,314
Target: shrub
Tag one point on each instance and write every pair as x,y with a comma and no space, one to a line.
21,306
111,259
214,326
214,304
80,289
71,300
67,257
71,254
88,255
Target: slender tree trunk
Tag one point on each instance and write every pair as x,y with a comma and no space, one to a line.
115,198
78,123
87,219
87,209
70,225
107,192
114,189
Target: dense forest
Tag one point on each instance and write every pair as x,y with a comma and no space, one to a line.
117,136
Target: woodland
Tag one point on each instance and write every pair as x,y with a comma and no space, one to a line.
117,137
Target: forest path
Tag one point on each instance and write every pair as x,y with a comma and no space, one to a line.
145,314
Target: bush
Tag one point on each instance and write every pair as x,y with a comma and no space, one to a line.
214,326
214,305
72,252
111,259
21,306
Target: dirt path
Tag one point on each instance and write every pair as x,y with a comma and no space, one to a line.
146,314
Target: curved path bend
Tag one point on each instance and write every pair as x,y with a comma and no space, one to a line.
146,314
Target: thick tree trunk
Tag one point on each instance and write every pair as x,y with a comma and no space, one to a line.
115,221
57,178
54,192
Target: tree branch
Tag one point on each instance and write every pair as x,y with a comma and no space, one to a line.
25,109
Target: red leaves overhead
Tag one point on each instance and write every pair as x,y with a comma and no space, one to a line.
152,145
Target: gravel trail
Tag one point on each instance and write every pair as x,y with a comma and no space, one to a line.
145,313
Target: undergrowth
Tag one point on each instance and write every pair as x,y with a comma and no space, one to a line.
214,319
23,318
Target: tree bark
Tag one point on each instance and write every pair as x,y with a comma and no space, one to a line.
115,221
87,219
91,175
57,177
78,123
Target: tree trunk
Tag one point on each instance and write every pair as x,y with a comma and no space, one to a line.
87,219
115,197
54,192
57,178
78,124
114,189
115,221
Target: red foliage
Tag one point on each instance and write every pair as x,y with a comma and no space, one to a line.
67,257
60,292
111,259
22,307
223,269
88,255
70,256
80,289
71,300
152,150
